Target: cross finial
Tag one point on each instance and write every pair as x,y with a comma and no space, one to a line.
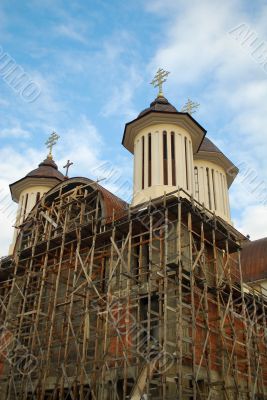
67,166
190,107
159,79
50,143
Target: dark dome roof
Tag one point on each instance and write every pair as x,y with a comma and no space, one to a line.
209,146
47,169
159,104
254,260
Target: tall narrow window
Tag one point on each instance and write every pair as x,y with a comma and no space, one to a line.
143,162
214,189
25,205
173,159
21,209
38,195
196,183
149,159
208,186
223,195
186,163
165,159
226,196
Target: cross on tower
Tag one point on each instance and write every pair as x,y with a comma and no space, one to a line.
51,142
190,107
67,166
159,79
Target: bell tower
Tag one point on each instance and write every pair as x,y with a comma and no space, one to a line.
163,142
29,190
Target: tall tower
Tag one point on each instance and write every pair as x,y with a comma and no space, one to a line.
29,190
163,142
170,151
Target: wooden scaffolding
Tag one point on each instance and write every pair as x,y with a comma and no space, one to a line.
147,303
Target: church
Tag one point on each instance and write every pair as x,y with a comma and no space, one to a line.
161,298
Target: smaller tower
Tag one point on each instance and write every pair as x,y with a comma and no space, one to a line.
213,174
29,190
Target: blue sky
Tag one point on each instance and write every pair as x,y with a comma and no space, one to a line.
93,61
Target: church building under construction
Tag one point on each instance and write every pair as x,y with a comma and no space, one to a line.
158,299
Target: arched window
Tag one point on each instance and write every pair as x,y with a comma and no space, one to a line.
173,159
165,159
149,159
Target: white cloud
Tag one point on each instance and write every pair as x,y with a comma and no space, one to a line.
6,234
47,104
14,167
196,40
253,222
205,62
121,100
82,144
15,132
70,32
204,59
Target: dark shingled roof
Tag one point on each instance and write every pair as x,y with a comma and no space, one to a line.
159,104
47,169
113,206
208,146
112,203
254,260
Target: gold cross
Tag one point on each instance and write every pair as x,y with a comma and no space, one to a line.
190,107
159,79
67,166
50,143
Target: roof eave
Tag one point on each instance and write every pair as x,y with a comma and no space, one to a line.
16,185
230,169
130,125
